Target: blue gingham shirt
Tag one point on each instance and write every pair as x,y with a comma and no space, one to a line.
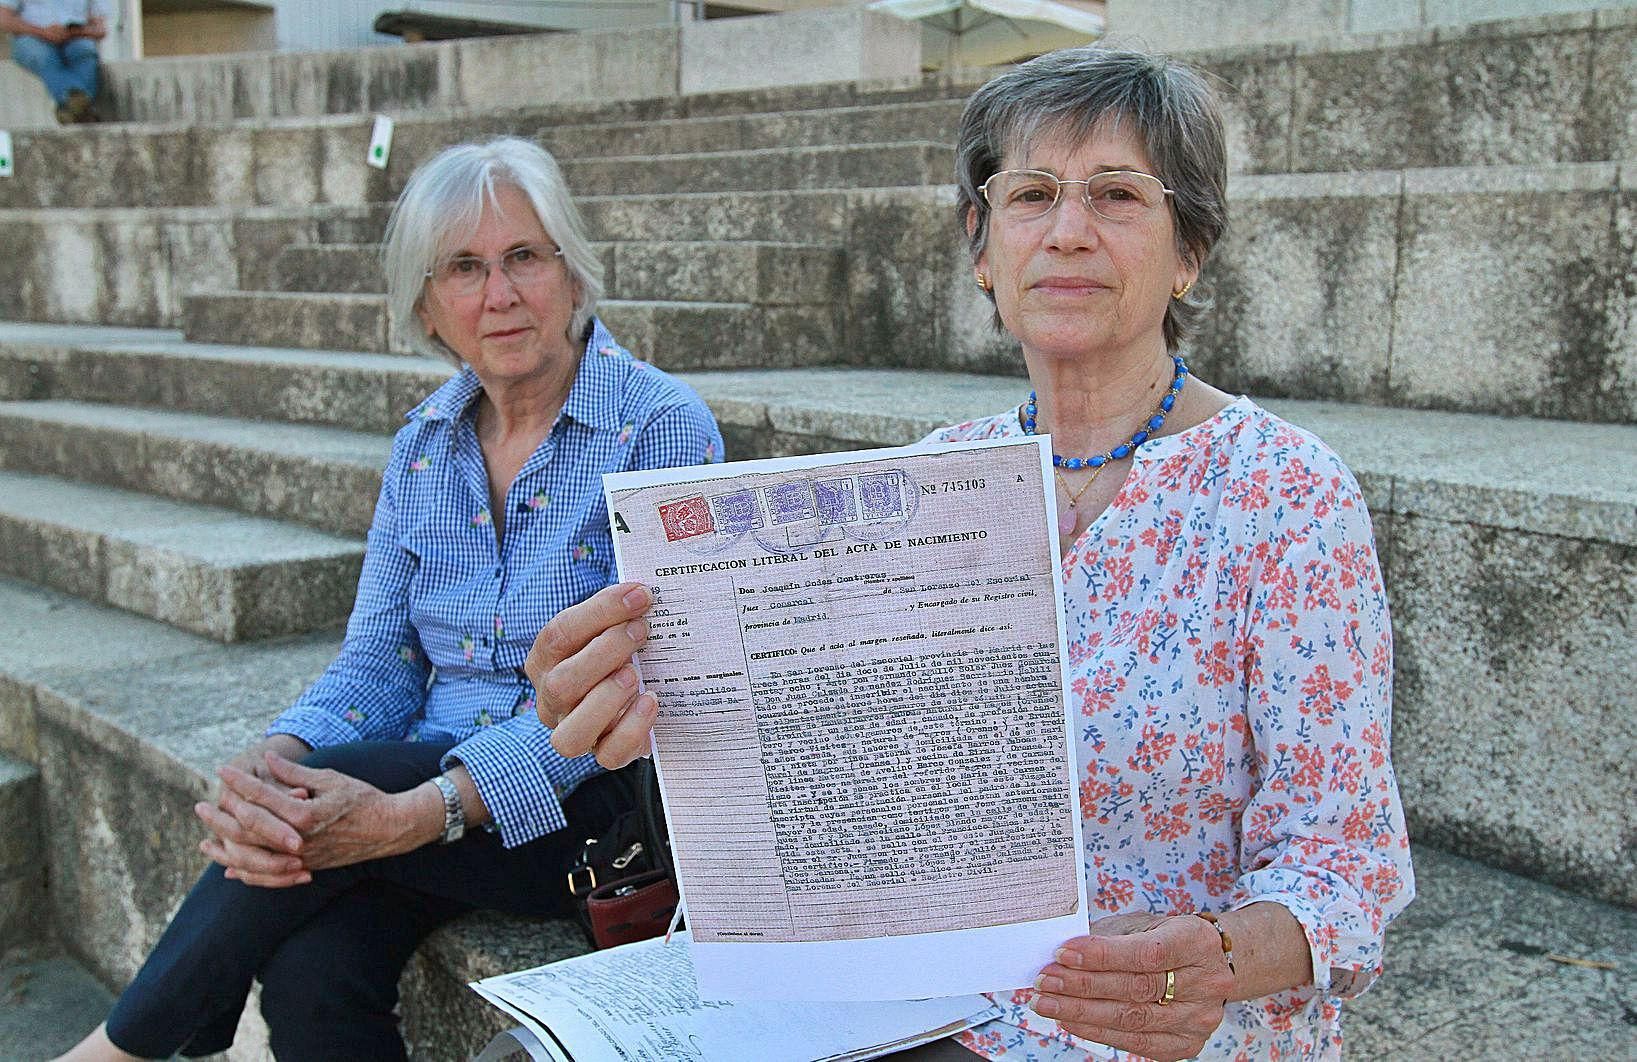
445,616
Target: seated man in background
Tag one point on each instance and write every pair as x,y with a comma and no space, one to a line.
57,41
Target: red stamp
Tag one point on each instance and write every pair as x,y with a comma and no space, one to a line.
688,518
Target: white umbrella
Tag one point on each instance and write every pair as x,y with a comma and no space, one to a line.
983,32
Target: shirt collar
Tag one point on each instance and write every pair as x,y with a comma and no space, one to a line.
593,400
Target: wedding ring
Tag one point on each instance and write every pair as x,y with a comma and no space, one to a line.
1170,988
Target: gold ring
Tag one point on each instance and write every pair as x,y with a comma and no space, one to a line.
1170,988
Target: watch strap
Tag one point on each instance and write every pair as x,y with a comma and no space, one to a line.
454,812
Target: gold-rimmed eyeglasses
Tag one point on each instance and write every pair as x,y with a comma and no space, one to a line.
466,275
1115,195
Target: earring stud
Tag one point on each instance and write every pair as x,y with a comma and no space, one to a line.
984,282
1186,288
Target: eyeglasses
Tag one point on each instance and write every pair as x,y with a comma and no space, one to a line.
1115,195
467,275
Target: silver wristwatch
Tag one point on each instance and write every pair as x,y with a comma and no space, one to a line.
454,814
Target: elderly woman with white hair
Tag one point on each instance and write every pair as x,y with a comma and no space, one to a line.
414,780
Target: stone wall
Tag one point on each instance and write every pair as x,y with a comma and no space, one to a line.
1187,25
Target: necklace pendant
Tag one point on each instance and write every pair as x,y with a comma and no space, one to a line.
1067,517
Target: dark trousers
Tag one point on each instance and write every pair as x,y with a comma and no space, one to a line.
329,953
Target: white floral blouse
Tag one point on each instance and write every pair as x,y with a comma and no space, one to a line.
1231,670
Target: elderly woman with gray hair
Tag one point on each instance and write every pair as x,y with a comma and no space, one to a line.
414,781
1230,656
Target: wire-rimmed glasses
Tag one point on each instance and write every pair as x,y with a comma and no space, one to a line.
1115,195
465,275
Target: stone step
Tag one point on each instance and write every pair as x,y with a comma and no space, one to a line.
671,334
1513,584
767,169
292,165
928,120
308,320
218,573
22,858
117,769
326,478
760,272
159,369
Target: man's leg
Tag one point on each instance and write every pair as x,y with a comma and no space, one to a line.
79,58
45,62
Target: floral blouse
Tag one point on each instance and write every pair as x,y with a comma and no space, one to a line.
1231,672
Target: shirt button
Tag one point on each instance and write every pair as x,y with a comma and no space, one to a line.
499,571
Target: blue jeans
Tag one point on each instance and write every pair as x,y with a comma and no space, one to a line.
62,67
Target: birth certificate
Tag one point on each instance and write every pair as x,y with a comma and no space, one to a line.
862,741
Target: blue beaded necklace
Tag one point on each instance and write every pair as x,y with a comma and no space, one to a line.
1097,462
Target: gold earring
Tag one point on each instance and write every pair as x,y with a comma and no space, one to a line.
984,283
1186,288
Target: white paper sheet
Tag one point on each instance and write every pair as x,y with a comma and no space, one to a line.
865,756
637,1003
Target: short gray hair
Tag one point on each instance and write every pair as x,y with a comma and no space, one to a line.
442,205
1073,93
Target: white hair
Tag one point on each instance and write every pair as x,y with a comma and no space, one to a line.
443,204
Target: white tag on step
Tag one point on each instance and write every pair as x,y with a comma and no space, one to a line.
5,153
380,142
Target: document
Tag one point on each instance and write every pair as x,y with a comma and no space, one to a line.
862,741
637,1002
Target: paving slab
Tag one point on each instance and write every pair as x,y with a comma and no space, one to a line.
47,1003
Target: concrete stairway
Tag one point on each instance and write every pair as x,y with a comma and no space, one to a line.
198,386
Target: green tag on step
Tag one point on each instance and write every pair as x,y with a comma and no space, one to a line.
380,142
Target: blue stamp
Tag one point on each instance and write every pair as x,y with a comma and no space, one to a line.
791,502
736,513
881,495
837,503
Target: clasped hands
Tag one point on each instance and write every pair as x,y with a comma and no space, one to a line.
275,821
59,34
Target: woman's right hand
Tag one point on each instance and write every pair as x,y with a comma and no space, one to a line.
585,685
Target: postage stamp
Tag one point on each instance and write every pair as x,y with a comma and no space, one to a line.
837,501
881,495
688,518
791,501
736,513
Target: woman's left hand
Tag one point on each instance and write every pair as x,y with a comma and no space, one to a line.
1107,986
342,820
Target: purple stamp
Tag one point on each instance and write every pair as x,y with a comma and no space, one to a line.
736,513
837,504
882,495
791,501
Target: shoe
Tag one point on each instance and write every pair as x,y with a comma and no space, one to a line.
64,115
78,107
